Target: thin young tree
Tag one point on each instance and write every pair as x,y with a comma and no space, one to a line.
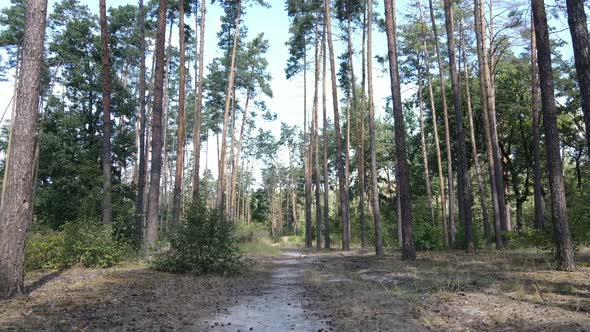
176,200
153,209
403,176
16,208
563,239
139,203
325,146
107,159
199,69
315,136
449,230
536,112
464,188
221,191
343,188
576,18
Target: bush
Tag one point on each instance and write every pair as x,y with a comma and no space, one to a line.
46,250
254,232
89,243
204,243
92,244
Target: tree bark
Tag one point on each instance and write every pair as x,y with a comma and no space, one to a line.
139,203
435,132
325,146
306,159
156,144
564,244
403,177
199,104
315,138
16,208
423,142
497,206
344,201
372,137
576,18
536,111
449,232
361,137
228,97
107,159
181,121
480,187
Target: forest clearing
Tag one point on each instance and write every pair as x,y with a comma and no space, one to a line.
294,165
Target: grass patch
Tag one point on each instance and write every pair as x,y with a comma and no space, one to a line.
259,248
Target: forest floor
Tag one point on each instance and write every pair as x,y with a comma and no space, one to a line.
308,291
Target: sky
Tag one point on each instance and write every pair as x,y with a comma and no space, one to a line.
287,101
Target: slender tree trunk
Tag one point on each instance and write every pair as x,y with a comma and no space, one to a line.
238,151
576,18
315,138
564,244
497,206
16,208
344,201
372,136
449,232
536,111
423,142
156,167
361,136
480,187
228,97
181,121
435,133
306,161
325,145
199,67
141,180
465,199
107,159
403,178
166,165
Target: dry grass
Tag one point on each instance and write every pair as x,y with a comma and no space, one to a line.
131,297
454,291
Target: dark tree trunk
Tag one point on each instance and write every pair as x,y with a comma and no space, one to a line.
403,178
536,110
361,141
156,144
107,159
177,198
306,160
565,248
325,146
372,137
16,208
344,201
576,18
449,228
315,140
139,203
464,192
199,103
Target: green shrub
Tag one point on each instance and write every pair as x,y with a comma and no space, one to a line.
253,232
92,244
427,236
89,243
46,250
204,243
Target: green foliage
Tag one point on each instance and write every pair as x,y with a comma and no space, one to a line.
427,236
254,232
529,238
86,242
204,243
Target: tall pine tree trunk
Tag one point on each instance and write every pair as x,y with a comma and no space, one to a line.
315,138
107,159
343,188
403,176
181,122
576,18
306,159
361,136
325,147
449,231
372,137
199,68
156,145
536,111
139,203
16,208
228,97
564,244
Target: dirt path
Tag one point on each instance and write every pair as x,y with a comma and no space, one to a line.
280,307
